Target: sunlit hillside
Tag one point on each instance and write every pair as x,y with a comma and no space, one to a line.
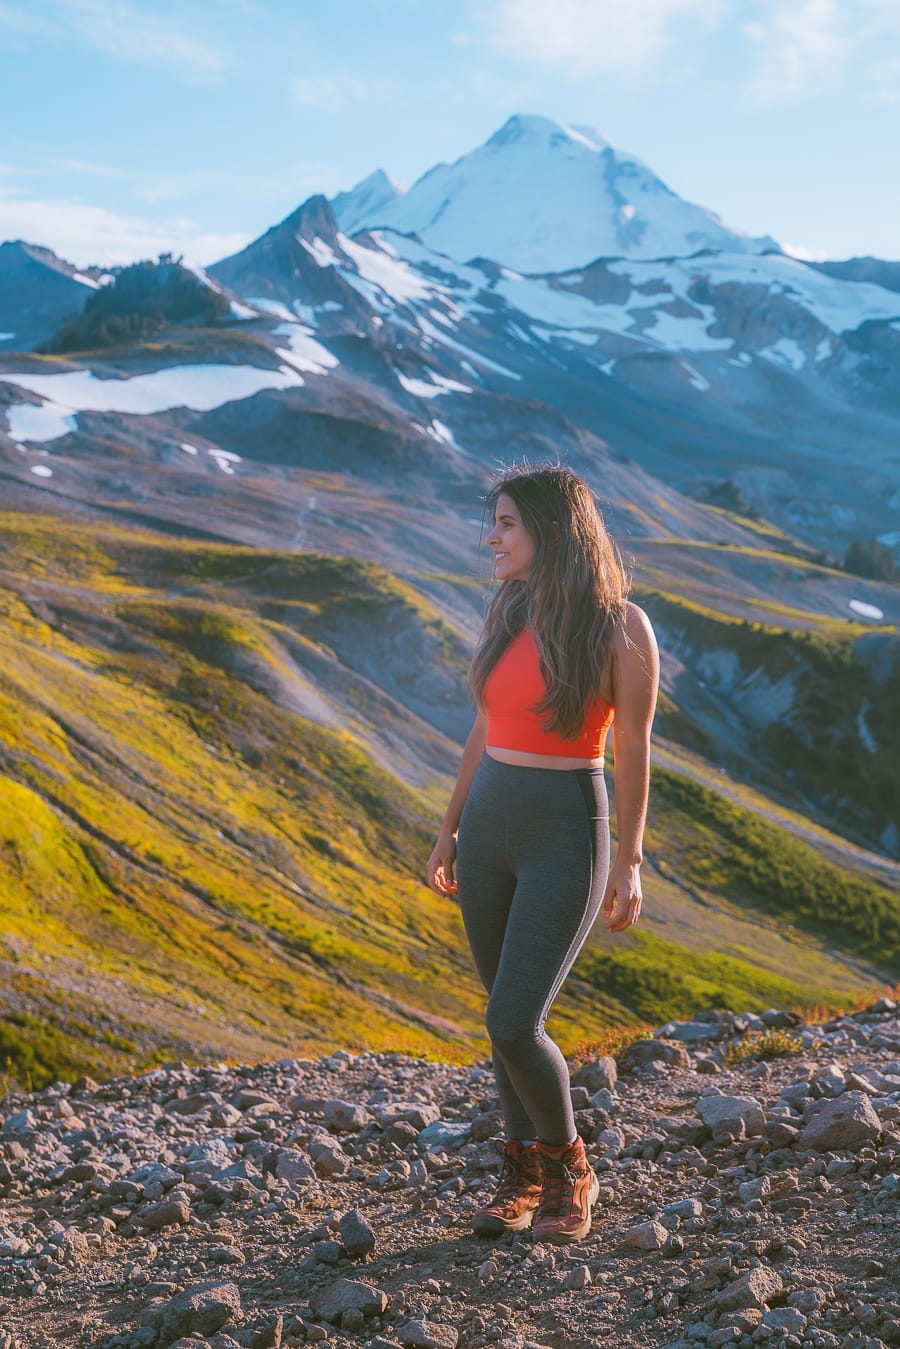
221,770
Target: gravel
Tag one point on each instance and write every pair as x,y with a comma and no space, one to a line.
330,1200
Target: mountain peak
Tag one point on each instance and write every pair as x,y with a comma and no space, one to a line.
543,196
544,130
359,207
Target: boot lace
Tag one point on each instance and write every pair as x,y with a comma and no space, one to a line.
511,1178
557,1189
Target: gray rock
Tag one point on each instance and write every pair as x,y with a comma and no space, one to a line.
684,1208
330,1303
830,1081
345,1116
579,1277
443,1134
600,1073
226,1255
726,1110
749,1190
786,1320
650,1236
753,1289
167,1213
428,1335
205,1308
294,1166
356,1234
327,1252
841,1122
331,1161
643,1052
694,1032
807,1300
413,1112
191,1105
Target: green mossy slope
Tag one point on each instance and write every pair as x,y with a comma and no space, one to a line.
837,743
191,868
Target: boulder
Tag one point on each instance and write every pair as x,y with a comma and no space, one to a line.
205,1308
753,1289
345,1294
841,1122
641,1052
599,1073
721,1111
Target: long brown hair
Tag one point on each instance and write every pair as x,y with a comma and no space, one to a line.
572,601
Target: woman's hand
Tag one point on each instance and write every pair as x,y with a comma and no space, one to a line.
440,865
621,903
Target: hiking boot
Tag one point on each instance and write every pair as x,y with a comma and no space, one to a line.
569,1190
518,1192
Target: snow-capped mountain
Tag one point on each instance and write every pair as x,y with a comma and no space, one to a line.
379,356
543,197
365,202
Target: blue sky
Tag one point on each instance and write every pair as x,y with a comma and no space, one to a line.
132,126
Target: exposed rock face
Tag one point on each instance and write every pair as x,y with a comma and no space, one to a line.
330,1201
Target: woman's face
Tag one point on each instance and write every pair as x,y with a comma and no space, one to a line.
513,547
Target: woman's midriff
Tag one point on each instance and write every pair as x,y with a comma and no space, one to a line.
523,760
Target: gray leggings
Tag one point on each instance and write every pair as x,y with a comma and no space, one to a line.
532,863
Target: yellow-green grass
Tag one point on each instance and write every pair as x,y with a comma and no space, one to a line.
729,850
189,869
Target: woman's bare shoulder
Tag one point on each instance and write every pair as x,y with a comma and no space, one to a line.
635,630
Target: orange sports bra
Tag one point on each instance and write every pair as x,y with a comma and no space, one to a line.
511,691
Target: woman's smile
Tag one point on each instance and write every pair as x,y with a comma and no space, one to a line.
510,542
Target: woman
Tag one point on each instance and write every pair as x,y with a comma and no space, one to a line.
561,648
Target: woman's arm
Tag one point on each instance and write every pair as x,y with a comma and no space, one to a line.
636,683
443,858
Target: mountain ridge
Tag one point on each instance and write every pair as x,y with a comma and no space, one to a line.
541,196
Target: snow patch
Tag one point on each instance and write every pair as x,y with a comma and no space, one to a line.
46,422
41,471
86,280
695,378
188,449
440,432
443,340
321,252
273,307
388,274
786,351
866,610
420,388
242,311
199,387
305,352
224,459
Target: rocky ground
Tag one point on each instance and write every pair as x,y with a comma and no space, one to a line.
301,1201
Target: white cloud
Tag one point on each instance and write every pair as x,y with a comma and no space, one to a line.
805,253
805,44
585,37
799,43
86,234
331,93
128,33
16,23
